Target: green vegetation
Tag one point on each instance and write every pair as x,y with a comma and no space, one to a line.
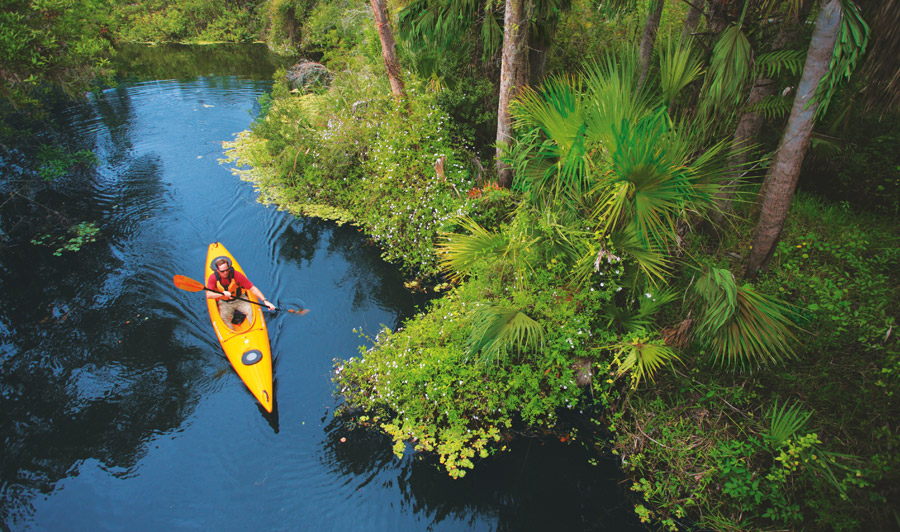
733,406
606,279
195,21
53,43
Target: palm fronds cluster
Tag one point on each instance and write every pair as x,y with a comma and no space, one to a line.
608,176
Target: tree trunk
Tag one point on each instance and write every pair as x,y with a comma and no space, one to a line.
388,47
690,21
649,37
513,55
538,50
781,180
748,128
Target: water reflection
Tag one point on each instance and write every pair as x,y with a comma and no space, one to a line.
537,484
186,62
117,409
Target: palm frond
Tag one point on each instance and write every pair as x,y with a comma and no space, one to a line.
613,94
558,111
632,319
642,358
460,253
785,423
728,73
653,262
718,291
849,48
742,327
557,235
443,24
498,331
649,160
678,67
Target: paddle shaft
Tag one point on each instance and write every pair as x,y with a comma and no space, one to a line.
186,283
242,299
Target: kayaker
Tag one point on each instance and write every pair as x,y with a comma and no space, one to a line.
232,284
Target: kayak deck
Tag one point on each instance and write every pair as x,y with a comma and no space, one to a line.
247,345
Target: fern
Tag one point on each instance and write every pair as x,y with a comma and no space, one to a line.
772,64
771,107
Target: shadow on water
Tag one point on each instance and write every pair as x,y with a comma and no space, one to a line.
82,371
535,484
94,363
366,274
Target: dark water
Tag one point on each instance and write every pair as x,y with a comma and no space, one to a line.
118,410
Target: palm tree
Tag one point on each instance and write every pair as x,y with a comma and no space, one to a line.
388,48
513,60
824,68
606,148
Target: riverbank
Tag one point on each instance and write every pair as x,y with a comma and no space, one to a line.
803,442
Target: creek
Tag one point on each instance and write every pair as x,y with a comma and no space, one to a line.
119,410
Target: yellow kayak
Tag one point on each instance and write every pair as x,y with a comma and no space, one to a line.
247,345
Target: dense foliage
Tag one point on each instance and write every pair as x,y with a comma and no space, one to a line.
580,289
396,174
187,21
595,284
53,43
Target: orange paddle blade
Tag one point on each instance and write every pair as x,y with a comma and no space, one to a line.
186,283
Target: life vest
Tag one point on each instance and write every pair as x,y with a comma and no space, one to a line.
232,287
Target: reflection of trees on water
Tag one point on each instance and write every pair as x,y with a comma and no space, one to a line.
81,379
299,241
369,278
176,61
92,363
536,485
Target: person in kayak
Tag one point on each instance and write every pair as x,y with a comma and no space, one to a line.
232,284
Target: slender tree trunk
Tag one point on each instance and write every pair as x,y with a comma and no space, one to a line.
388,49
649,37
781,180
748,128
691,21
523,50
716,16
537,60
513,55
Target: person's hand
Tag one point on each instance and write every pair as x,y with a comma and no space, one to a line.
269,304
226,294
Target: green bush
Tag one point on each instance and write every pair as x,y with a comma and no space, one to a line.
423,387
393,168
186,21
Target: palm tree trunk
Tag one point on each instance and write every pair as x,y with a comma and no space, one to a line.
513,56
781,180
749,125
690,21
649,37
388,47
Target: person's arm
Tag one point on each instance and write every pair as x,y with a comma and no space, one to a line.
262,298
211,285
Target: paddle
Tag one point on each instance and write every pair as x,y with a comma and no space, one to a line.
190,285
